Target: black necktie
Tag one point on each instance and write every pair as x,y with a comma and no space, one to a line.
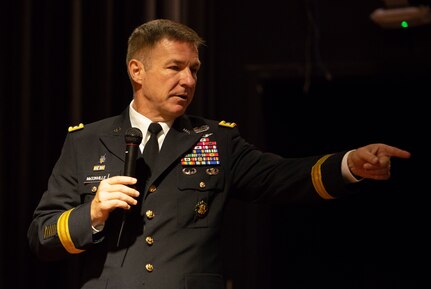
151,149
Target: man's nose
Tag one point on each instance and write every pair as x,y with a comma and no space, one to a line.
188,77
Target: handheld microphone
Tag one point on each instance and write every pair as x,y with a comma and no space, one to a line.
133,138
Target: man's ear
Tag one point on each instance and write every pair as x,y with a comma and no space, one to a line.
136,70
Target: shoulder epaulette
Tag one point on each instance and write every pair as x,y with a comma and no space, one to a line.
227,124
76,127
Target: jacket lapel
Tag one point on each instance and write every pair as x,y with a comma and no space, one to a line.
113,139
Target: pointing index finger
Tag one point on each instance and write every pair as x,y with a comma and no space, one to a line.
396,152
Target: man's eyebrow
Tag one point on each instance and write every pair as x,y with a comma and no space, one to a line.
196,64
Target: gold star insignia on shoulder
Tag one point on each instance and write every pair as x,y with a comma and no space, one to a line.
227,124
76,127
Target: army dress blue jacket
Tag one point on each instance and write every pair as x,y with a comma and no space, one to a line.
171,239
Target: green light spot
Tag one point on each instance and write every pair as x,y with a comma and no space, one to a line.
404,24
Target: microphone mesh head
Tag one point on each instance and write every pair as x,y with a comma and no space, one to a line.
133,135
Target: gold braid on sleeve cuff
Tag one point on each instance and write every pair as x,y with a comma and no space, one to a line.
64,234
316,177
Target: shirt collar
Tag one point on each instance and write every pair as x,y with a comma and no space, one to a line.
142,122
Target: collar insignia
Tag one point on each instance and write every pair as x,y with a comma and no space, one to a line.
186,131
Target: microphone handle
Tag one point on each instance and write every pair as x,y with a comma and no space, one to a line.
131,155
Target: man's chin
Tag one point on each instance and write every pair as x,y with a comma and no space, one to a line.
177,110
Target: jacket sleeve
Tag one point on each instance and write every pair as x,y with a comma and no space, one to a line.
264,177
61,222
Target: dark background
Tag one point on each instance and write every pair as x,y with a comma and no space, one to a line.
299,77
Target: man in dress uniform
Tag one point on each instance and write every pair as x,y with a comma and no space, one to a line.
160,228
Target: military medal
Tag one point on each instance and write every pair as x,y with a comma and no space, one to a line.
201,209
100,166
205,152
